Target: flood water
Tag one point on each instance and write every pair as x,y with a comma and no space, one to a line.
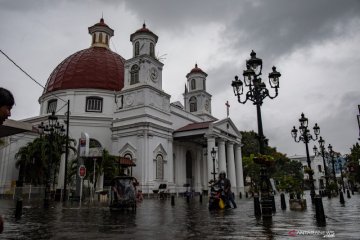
157,219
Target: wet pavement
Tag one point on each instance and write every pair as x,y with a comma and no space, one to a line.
157,219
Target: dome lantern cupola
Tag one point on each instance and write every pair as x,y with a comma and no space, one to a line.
101,34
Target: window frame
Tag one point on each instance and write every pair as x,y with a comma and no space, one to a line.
88,99
50,107
134,74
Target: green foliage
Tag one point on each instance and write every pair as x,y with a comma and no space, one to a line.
353,160
286,173
37,157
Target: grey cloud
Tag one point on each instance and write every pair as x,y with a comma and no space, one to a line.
278,27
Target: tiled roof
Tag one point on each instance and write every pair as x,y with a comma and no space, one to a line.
194,126
95,67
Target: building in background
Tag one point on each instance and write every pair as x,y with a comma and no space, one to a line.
122,107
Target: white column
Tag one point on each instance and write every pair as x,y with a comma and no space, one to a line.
222,156
210,146
170,162
231,165
198,170
239,170
61,175
100,183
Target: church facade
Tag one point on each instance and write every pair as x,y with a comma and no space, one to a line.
121,105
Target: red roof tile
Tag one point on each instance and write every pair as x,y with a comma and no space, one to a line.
95,67
194,126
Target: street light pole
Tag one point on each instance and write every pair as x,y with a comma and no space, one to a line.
257,92
53,127
322,152
213,155
305,137
66,150
331,153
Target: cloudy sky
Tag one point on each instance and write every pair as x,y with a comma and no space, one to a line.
315,44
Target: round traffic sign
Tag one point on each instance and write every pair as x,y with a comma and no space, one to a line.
82,171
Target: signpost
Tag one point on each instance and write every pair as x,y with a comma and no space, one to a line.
82,174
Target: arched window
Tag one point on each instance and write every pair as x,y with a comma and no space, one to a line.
193,84
128,156
152,50
94,38
93,143
137,49
134,74
94,104
159,167
193,104
106,39
101,38
51,107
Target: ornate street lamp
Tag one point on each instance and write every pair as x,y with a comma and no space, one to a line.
256,93
332,155
53,127
213,155
322,153
305,137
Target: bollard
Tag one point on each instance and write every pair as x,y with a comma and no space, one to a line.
18,210
173,200
348,194
240,195
187,198
352,191
247,195
257,208
201,198
342,200
272,197
320,215
283,202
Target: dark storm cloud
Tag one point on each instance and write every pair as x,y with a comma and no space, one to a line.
278,27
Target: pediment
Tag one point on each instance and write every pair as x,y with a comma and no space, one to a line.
226,125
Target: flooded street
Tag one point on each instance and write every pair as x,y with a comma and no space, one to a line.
157,219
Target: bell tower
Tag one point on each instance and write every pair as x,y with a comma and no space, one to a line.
143,67
196,99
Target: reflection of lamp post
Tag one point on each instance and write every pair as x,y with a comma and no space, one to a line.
256,93
322,153
305,137
213,155
53,127
331,153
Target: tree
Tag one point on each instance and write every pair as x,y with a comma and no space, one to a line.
35,158
285,172
353,163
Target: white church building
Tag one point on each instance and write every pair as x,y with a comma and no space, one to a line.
121,104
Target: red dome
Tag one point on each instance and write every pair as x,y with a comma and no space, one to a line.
95,67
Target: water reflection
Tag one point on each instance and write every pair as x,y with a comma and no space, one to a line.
157,219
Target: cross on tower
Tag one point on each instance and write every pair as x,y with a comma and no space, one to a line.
227,108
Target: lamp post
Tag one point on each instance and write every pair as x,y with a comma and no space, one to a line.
332,154
322,153
53,127
305,137
213,155
256,93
